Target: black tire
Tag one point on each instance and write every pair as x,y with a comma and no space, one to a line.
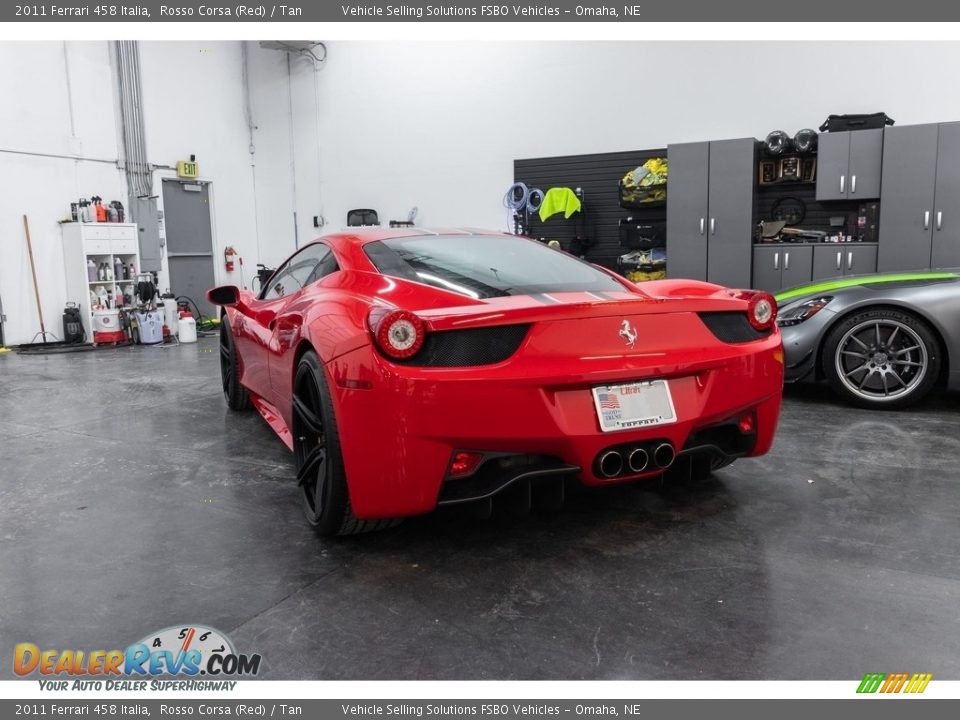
234,393
321,477
882,359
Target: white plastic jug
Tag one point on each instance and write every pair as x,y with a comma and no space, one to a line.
187,329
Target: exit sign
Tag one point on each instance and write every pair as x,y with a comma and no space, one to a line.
187,169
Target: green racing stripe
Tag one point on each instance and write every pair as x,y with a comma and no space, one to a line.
841,283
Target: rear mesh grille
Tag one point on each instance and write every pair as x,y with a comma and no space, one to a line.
732,327
476,346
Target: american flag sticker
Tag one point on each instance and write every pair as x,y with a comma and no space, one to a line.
608,401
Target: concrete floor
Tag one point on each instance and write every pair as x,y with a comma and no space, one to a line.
131,499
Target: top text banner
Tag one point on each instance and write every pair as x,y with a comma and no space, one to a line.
328,11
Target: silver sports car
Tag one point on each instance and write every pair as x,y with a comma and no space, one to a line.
881,341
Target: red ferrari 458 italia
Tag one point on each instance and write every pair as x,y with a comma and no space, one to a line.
410,368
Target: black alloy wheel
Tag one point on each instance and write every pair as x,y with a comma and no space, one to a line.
316,445
234,393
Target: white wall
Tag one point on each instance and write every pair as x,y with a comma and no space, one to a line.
438,125
193,102
36,117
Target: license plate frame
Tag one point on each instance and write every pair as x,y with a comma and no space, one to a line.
634,405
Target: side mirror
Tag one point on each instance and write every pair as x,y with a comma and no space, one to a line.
224,295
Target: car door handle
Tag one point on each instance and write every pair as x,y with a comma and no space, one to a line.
939,219
853,184
843,180
701,226
713,226
786,261
850,260
776,260
839,260
926,220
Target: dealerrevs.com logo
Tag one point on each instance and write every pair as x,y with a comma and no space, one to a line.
183,651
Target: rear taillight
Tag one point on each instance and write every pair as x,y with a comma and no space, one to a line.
399,333
761,308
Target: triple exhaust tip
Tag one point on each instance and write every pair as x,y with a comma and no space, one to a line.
611,462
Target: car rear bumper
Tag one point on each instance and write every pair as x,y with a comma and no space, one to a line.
399,426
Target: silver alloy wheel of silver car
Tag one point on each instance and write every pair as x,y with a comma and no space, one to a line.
881,359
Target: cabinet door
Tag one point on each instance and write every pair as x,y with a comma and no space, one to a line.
866,158
906,209
833,165
766,267
946,211
828,261
687,210
797,264
859,259
730,223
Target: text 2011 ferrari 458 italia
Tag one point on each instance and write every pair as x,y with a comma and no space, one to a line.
408,369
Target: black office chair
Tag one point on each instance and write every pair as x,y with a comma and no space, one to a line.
362,216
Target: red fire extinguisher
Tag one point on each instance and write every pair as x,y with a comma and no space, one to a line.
228,255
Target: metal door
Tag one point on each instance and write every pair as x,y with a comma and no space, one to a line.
797,264
866,156
730,221
859,259
833,165
828,261
186,210
906,210
946,211
687,210
767,268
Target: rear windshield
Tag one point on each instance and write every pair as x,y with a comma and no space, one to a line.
485,266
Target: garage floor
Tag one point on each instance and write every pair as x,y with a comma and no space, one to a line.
129,505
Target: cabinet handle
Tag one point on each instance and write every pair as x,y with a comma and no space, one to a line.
853,184
843,179
713,226
839,260
776,260
701,226
786,261
850,260
939,219
926,220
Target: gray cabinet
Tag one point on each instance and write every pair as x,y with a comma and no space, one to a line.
920,209
781,266
687,210
849,165
945,249
837,260
710,211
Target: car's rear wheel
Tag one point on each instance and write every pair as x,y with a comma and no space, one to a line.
234,393
316,446
883,358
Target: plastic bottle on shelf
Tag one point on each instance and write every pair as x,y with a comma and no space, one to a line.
100,277
117,269
101,212
91,271
102,296
133,271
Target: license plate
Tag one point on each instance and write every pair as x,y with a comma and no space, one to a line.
634,405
